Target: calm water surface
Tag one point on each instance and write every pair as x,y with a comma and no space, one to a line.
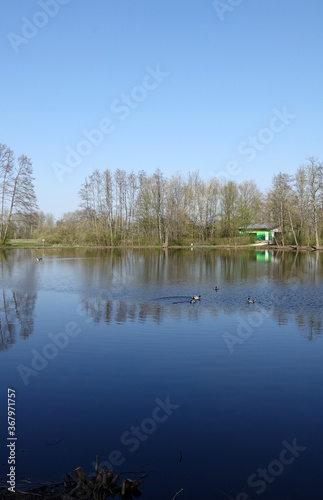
107,357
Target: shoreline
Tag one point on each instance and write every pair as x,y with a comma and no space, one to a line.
260,246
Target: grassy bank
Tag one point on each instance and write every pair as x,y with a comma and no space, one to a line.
34,243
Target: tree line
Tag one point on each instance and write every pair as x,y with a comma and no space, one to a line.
120,208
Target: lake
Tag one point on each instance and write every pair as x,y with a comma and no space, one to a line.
107,356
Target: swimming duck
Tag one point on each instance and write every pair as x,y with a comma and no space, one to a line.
196,297
251,301
39,259
216,288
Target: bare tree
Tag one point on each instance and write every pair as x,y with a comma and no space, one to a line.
314,171
18,194
301,204
177,209
108,202
6,172
132,192
212,194
279,200
228,200
158,202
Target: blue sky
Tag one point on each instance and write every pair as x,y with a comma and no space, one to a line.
232,88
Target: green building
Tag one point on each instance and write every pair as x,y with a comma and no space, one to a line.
261,231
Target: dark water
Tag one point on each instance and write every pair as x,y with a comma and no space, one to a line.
107,357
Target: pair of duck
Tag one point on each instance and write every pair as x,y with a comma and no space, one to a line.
195,298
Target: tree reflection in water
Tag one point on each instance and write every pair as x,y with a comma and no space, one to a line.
129,285
16,316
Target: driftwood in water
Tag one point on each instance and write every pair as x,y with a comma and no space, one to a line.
102,485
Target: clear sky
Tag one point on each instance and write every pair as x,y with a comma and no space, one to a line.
232,88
